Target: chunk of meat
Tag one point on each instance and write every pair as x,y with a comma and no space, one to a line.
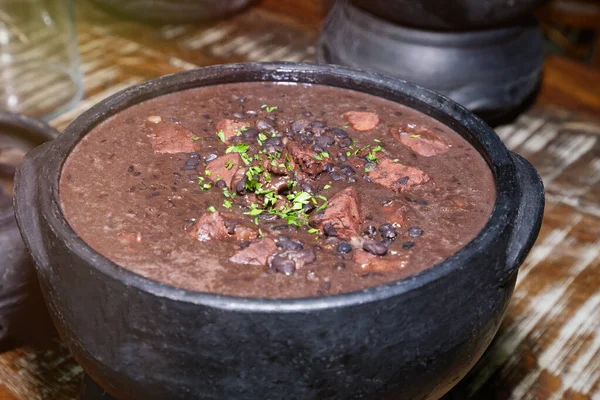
231,128
362,121
305,158
421,140
342,217
396,176
370,262
228,167
170,137
256,254
220,226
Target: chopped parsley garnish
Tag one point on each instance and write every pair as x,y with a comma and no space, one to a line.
242,150
268,108
414,136
207,172
377,140
348,154
203,185
324,154
196,138
211,209
372,154
313,231
327,187
396,160
221,135
228,164
227,204
261,138
244,128
254,210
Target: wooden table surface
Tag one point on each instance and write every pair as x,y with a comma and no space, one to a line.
548,346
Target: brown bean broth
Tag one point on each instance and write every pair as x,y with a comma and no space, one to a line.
101,197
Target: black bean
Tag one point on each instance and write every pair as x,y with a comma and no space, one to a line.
408,245
387,242
245,244
283,265
307,114
240,187
210,157
290,244
299,125
325,141
318,148
250,133
335,176
263,125
206,116
318,124
344,248
284,227
308,208
340,265
221,184
403,180
370,230
238,115
328,167
307,188
273,141
415,232
351,179
388,231
230,226
347,170
342,157
345,142
375,247
329,229
340,133
251,112
267,217
242,99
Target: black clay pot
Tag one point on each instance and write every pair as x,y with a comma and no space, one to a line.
491,72
415,338
173,11
451,14
23,316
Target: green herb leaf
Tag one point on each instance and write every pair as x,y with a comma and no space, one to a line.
227,204
313,231
414,136
268,108
207,172
254,211
211,209
240,148
228,164
324,154
327,187
196,138
221,135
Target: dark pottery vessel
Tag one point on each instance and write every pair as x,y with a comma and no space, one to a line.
415,338
451,14
173,11
23,315
490,71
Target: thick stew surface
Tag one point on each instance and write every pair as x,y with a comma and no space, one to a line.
273,190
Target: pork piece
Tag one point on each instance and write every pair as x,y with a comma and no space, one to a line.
370,262
228,167
396,176
231,128
305,158
256,254
220,226
169,137
362,121
342,217
421,140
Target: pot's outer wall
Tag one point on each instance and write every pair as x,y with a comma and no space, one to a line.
451,14
410,339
